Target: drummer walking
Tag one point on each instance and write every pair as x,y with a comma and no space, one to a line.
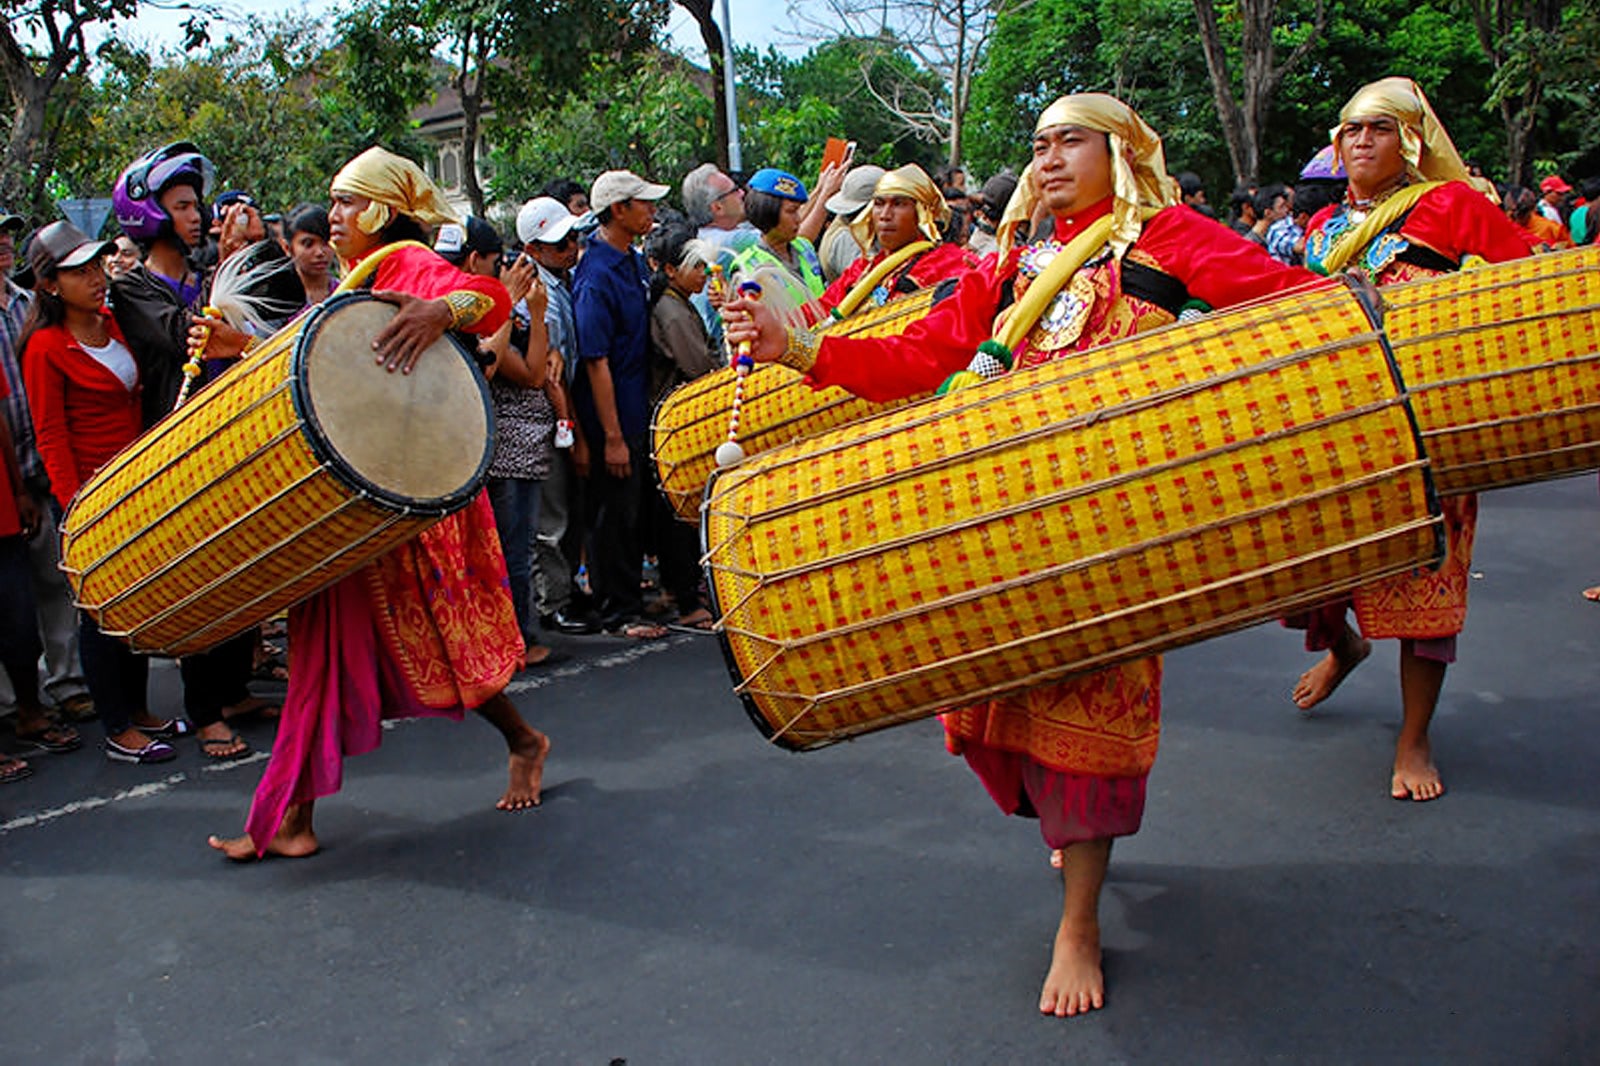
429,628
1410,212
1124,258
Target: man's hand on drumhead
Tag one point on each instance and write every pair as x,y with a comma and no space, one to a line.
418,324
747,321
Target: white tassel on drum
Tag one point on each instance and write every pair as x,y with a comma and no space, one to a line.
729,453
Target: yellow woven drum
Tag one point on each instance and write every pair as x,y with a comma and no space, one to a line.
292,470
1503,365
777,408
1151,493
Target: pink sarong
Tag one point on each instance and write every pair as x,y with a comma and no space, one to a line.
342,684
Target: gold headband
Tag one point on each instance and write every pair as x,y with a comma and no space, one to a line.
1429,153
395,185
1139,177
912,182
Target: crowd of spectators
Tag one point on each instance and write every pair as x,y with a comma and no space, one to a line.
609,283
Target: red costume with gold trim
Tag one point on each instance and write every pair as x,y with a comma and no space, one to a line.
931,267
426,629
1446,226
1096,735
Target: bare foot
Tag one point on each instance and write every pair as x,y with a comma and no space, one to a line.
1415,776
285,845
1075,984
1319,682
526,775
1592,594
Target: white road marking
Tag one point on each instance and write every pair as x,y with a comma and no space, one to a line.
155,788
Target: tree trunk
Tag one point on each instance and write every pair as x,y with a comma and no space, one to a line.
1244,123
1233,127
469,86
1496,22
711,36
24,168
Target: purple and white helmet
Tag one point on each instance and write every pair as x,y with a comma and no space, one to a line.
136,196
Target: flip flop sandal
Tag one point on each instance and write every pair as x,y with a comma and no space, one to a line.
52,738
209,743
14,770
78,708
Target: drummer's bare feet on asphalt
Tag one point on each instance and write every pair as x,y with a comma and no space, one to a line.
1319,682
1075,983
526,774
295,838
1415,776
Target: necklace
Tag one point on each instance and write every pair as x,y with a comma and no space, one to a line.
1360,208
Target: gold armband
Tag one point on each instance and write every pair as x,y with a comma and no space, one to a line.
800,351
467,307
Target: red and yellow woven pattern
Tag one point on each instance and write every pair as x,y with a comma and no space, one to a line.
220,517
777,408
1503,367
1154,492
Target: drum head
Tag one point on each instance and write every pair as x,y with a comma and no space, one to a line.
419,441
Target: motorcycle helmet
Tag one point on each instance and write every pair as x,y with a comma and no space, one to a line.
136,198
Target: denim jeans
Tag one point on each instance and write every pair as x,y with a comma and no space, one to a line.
516,514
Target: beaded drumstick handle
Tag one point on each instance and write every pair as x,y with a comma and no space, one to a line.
728,452
196,361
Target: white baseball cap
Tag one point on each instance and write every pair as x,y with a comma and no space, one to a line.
544,219
615,186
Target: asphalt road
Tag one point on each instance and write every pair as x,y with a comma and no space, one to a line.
689,895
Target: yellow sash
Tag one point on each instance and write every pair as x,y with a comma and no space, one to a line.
862,289
1025,314
1353,241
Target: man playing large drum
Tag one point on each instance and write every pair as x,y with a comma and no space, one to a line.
1125,258
1409,213
429,628
905,220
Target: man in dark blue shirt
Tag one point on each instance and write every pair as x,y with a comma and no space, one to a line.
611,306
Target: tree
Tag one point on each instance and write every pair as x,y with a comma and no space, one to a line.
1244,121
948,37
1142,51
517,58
711,36
1516,36
42,65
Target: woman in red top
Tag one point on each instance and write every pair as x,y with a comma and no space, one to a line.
83,389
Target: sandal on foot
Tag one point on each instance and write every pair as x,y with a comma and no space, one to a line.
52,738
79,708
217,747
14,770
153,752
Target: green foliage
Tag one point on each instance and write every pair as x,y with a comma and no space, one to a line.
790,107
661,129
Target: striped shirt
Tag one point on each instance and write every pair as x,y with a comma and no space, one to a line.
12,316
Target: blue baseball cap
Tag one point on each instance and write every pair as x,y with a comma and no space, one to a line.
777,183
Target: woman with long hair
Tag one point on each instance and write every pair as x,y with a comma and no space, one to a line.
84,390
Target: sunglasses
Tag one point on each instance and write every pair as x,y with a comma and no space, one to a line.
729,192
562,245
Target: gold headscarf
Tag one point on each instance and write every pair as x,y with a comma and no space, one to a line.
395,185
1429,153
1139,177
912,182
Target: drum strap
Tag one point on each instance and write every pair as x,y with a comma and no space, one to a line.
1154,287
1427,259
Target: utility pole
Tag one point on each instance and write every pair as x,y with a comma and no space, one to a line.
731,103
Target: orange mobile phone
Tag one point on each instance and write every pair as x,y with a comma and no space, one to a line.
837,150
